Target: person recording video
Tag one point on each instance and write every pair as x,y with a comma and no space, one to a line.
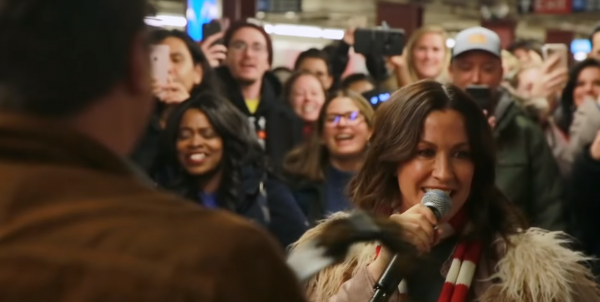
432,137
186,72
526,169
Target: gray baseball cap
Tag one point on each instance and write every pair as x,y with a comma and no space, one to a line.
477,38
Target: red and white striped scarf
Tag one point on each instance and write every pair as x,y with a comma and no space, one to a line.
463,267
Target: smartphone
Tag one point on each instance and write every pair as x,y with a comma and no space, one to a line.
212,28
549,50
160,57
482,95
385,42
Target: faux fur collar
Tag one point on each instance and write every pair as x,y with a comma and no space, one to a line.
536,267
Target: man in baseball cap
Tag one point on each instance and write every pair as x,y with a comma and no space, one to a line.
477,38
526,171
476,58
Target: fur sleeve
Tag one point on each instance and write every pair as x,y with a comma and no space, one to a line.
538,267
327,283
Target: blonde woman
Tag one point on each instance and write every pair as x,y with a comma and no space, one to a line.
426,57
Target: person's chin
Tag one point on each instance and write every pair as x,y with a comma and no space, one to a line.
247,79
348,152
197,171
309,118
430,74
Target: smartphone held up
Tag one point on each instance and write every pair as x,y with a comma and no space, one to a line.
212,28
379,41
556,49
482,95
160,58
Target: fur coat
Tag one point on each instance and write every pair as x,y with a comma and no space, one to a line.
535,267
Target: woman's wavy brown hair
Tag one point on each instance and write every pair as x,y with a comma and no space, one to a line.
309,159
397,130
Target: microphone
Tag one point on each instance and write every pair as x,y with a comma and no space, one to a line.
332,243
440,204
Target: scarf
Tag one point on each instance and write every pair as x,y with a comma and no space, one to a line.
463,267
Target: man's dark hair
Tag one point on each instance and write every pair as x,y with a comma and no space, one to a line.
243,24
526,44
57,57
313,53
357,77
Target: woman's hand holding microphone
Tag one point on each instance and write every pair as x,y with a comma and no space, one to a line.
419,229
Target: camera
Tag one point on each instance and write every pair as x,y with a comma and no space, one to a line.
380,41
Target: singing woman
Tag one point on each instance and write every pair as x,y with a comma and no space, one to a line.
433,136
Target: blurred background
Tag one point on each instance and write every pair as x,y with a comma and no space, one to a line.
296,25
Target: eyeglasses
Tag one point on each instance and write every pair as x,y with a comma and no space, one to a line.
351,118
239,46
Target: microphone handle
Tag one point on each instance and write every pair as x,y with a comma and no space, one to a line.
388,283
390,279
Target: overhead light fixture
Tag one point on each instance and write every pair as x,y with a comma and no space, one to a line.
580,56
290,30
333,34
450,43
304,31
166,21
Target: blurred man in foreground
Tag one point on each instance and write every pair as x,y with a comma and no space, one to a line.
77,224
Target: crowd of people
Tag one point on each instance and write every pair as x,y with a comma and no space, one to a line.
315,129
121,187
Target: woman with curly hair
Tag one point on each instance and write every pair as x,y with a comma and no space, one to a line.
211,156
431,136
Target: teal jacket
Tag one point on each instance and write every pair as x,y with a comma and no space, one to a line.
526,169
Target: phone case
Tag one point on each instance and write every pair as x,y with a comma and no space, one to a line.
161,62
549,50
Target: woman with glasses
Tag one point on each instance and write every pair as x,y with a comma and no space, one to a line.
211,157
320,169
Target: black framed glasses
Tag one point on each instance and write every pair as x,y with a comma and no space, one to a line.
351,118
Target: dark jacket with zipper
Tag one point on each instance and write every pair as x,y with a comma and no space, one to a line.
270,203
319,199
146,152
283,128
526,170
584,204
311,197
265,200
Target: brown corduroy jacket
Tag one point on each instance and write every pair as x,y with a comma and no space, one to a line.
76,224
